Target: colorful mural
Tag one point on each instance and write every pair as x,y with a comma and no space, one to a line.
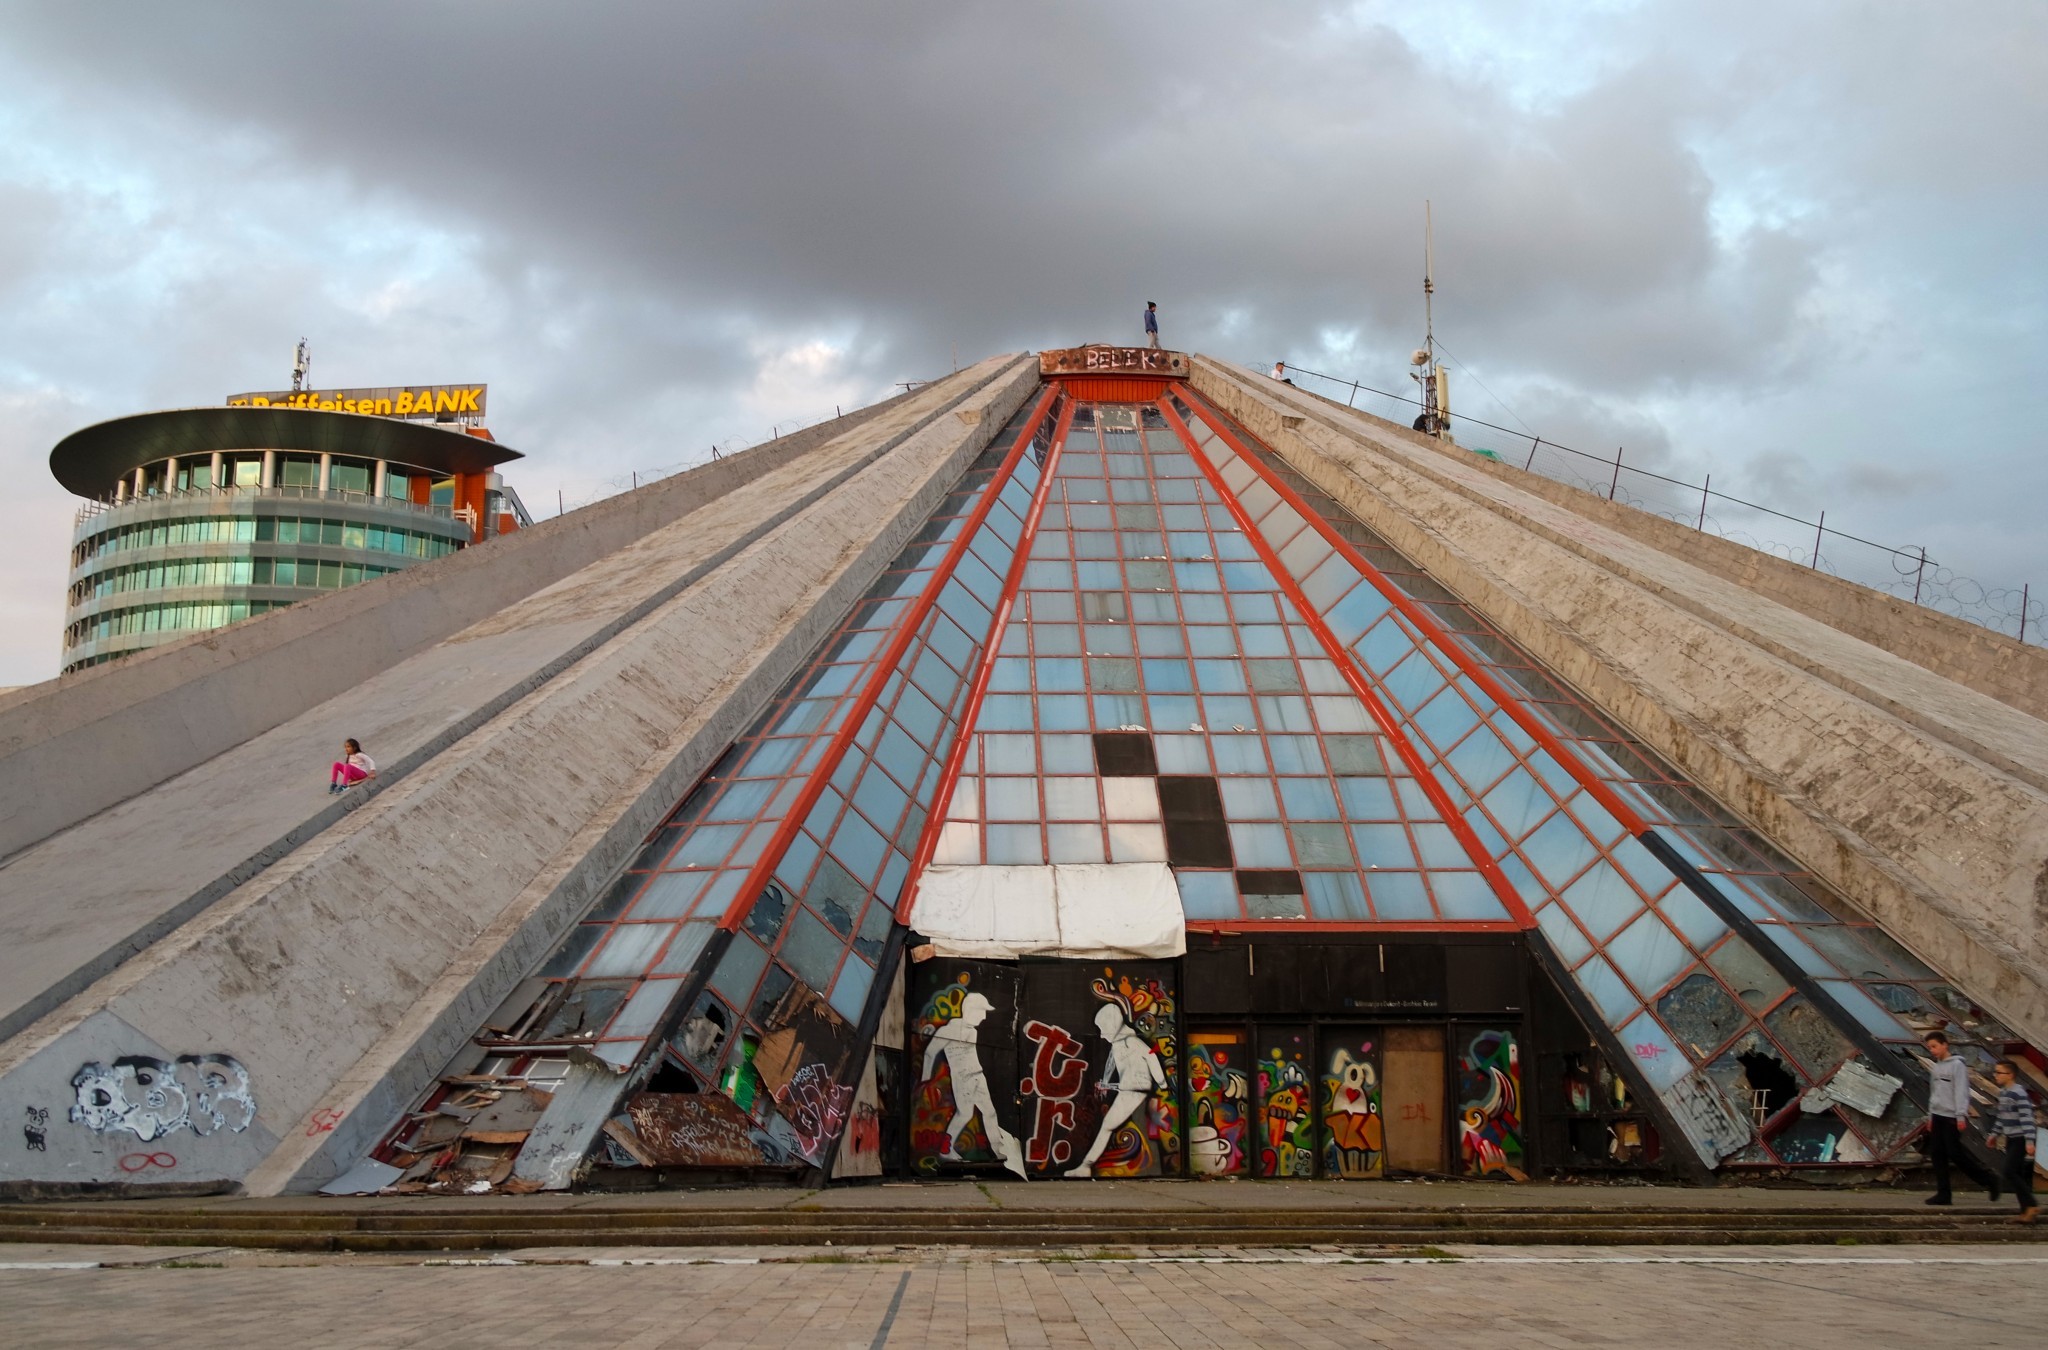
1046,1071
1286,1131
1354,1131
1139,1133
1490,1106
953,1117
1218,1100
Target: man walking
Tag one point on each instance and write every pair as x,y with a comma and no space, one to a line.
1152,323
2016,1125
1948,1108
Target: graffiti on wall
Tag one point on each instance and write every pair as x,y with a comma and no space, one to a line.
1490,1106
1139,1133
1218,1094
1046,1070
953,1114
1059,1068
1351,1113
1286,1125
150,1098
35,1129
801,1061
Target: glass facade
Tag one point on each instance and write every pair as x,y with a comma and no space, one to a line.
1713,1022
135,565
1130,634
802,839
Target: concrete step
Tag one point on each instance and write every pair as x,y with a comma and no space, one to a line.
481,1226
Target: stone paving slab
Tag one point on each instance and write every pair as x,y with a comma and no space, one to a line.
1619,1296
63,1256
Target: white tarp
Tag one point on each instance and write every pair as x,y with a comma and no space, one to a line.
1093,911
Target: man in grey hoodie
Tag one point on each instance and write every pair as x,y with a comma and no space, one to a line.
1948,1108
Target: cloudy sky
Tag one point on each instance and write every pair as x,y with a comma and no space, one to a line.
1796,244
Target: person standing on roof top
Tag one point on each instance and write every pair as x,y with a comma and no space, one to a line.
1948,1110
353,767
1152,323
2015,1126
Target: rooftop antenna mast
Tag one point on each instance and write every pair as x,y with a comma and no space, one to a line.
1435,383
302,364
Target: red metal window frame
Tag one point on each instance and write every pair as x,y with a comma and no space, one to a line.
1347,665
949,777
1425,623
906,632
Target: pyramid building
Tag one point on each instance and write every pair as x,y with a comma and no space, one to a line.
1104,763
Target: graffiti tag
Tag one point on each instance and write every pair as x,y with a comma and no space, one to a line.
323,1121
150,1098
142,1162
1057,1068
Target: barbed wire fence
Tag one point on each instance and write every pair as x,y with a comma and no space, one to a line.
1904,571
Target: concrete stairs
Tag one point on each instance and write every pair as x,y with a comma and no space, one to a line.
495,1225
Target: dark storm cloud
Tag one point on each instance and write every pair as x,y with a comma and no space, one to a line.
985,174
1754,238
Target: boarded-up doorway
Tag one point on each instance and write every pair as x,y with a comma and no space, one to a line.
1412,1062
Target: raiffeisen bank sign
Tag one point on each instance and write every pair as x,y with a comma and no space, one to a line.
409,401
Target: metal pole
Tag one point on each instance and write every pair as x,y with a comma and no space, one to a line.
636,480
1703,502
1533,445
2023,610
1818,530
1617,474
1350,400
1918,573
558,501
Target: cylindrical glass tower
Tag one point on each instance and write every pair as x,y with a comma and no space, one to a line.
257,508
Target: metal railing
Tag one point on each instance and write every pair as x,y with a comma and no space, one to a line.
1905,571
633,479
101,506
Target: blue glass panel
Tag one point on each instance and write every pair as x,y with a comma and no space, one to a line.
1383,846
1260,846
1690,915
1603,901
1336,897
1607,991
1557,850
1571,945
1368,799
1320,845
1249,799
1867,1010
1398,896
811,949
1238,754
669,895
850,993
1466,895
1208,895
1309,799
1649,954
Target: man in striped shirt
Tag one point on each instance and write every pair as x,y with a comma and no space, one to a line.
1948,1108
2016,1125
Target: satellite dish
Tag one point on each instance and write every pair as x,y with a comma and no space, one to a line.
1420,358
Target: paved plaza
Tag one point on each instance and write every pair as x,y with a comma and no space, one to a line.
1987,1295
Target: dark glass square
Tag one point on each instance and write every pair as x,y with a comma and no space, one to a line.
1125,754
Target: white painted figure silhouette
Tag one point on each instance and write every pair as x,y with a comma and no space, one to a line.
956,1042
1133,1074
